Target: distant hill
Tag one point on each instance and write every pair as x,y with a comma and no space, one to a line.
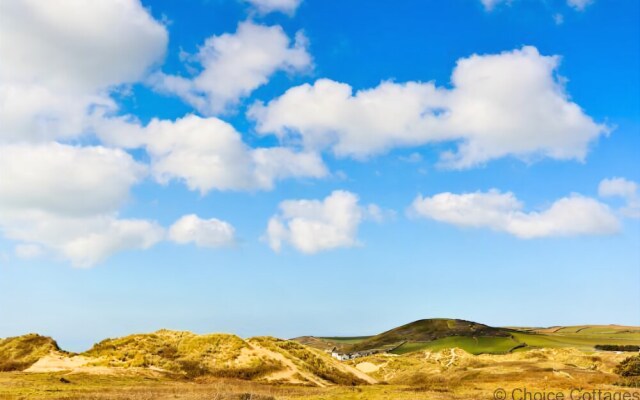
476,338
586,329
427,330
20,352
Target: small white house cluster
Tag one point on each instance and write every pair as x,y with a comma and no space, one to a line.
350,356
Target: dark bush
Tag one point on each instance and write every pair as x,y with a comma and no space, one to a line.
615,347
249,372
6,366
192,369
630,366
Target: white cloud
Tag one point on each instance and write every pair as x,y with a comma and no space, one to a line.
64,179
508,104
65,198
312,226
568,216
208,154
107,235
579,5
60,58
203,232
412,158
617,187
233,65
558,18
626,189
37,113
268,6
491,4
28,251
278,163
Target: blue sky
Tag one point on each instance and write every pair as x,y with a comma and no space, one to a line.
280,168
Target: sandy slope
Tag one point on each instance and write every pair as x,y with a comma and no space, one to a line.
289,374
55,362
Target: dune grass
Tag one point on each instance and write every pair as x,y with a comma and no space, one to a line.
183,353
309,359
20,352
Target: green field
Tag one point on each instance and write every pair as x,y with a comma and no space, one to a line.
580,341
521,341
480,345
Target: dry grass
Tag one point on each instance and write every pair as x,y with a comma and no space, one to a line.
19,353
318,364
443,375
181,365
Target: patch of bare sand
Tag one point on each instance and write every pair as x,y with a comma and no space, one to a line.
367,367
59,362
55,362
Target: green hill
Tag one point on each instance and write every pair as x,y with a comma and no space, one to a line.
427,330
475,338
20,352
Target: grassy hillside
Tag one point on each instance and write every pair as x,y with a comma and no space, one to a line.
427,330
185,353
20,352
226,356
437,334
472,345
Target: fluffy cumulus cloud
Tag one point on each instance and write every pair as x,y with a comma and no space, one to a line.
312,226
65,199
507,104
208,154
59,59
625,189
233,65
268,6
203,232
568,216
61,63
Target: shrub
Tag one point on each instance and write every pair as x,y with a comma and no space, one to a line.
630,366
615,347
